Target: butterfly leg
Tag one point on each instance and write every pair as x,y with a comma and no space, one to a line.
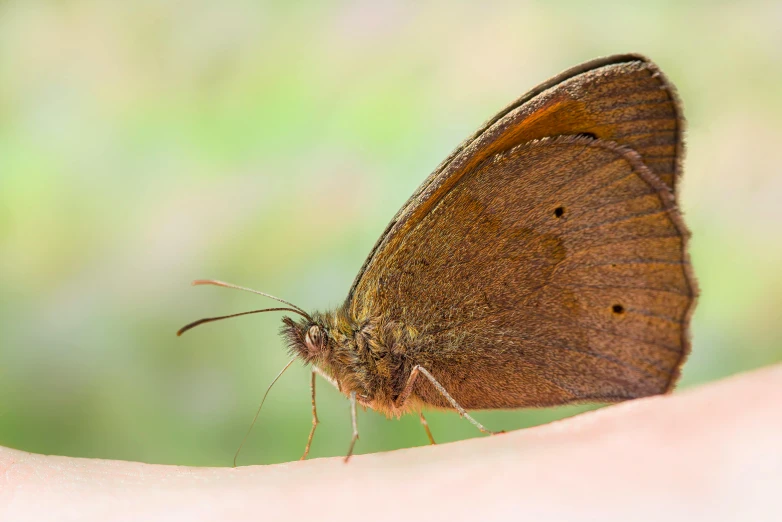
426,427
355,426
409,389
315,420
323,374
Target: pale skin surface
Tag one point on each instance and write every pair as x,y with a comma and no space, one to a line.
712,453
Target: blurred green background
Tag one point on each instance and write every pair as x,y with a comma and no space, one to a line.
145,144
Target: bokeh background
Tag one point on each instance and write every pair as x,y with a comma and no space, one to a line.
145,144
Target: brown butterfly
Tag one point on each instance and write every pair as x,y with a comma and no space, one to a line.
544,262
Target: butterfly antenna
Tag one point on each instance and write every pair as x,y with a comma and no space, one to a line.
236,455
192,325
229,285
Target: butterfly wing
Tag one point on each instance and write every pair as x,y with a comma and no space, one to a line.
624,98
554,272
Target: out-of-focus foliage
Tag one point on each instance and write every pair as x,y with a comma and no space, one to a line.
145,144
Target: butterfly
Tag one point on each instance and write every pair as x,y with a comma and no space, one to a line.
544,262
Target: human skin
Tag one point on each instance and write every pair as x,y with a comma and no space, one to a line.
711,453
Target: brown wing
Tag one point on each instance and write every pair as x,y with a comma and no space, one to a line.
622,98
552,273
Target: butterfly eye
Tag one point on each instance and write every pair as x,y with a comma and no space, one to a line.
314,338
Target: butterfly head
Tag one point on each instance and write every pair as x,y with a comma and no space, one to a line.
308,338
328,341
